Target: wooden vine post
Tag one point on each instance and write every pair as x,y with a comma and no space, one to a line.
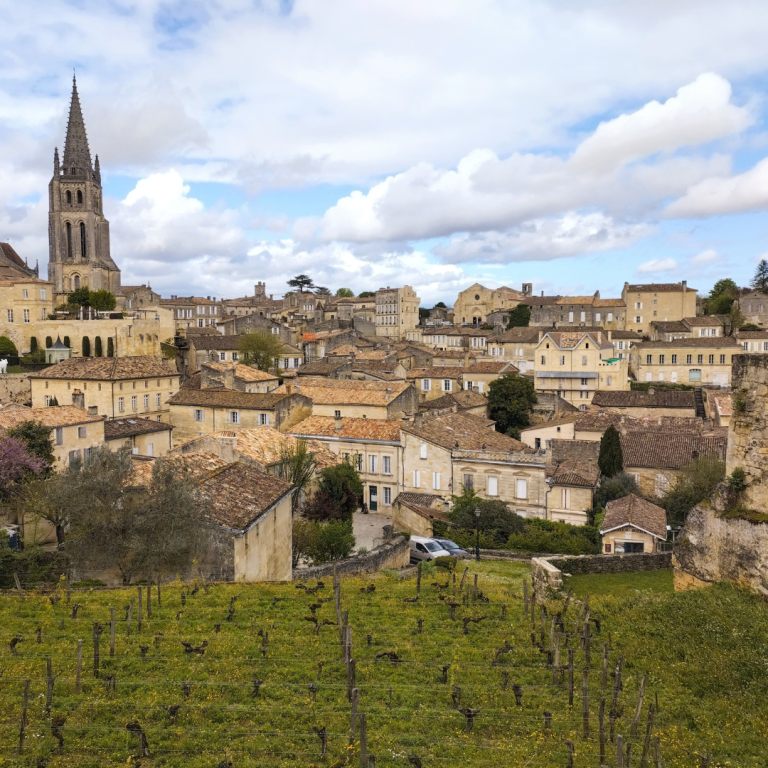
111,631
585,702
139,616
363,742
23,724
79,668
97,630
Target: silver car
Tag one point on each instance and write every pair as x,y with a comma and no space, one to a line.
426,549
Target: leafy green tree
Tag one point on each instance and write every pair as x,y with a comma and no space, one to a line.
321,290
345,293
339,493
496,521
80,298
519,317
611,459
110,347
441,305
297,467
260,348
721,297
36,438
510,399
616,487
366,295
760,280
86,347
302,283
102,301
332,541
749,327
7,347
97,347
303,539
696,483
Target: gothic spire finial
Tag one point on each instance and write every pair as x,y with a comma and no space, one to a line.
97,170
77,155
56,161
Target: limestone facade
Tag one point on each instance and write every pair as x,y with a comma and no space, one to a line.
397,311
649,302
474,304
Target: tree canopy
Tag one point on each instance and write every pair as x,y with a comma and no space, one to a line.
260,348
366,295
695,484
17,465
345,293
36,438
510,399
441,305
519,317
496,520
760,280
7,347
611,459
102,301
339,493
724,292
80,298
302,283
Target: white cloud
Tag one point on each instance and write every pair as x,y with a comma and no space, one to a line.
657,265
544,240
710,256
746,191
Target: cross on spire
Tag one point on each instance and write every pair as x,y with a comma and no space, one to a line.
77,155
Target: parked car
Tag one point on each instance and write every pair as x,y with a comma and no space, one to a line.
426,549
452,547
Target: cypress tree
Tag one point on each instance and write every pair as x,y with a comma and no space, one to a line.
33,344
66,342
48,342
97,345
86,347
611,460
110,347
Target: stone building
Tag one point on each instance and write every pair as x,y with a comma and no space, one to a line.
754,307
397,311
140,297
78,232
702,326
193,311
654,402
517,346
475,304
649,302
690,361
142,437
632,525
115,387
580,311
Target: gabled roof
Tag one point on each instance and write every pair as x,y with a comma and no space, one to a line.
243,372
53,416
437,372
219,397
696,341
657,288
660,450
463,399
583,474
194,465
526,335
466,432
320,367
121,428
572,339
355,429
346,391
632,510
490,366
106,369
653,398
214,341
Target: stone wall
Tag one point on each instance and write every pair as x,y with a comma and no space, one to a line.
547,572
712,549
394,554
15,388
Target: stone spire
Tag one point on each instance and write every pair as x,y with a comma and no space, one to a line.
97,170
76,152
56,161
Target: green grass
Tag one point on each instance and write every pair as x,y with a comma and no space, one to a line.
620,584
705,653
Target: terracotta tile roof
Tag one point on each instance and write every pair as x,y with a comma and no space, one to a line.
599,420
240,494
320,367
215,342
568,418
244,372
220,397
609,303
122,428
658,398
723,402
346,391
422,499
55,416
423,510
453,354
437,372
472,433
465,399
180,300
207,331
703,320
357,429
195,465
292,351
632,510
526,335
623,335
194,381
582,451
657,288
571,339
578,473
106,369
344,349
663,450
696,341
752,334
490,366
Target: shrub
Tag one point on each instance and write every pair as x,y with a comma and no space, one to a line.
737,480
616,487
303,538
611,459
558,538
696,483
334,541
7,347
496,522
449,563
338,496
48,342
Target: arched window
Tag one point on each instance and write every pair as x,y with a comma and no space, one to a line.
69,198
79,196
82,240
69,240
73,171
76,282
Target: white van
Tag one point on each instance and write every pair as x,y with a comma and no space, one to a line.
426,549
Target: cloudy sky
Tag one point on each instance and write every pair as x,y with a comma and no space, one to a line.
568,143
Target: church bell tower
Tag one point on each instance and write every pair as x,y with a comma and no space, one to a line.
78,233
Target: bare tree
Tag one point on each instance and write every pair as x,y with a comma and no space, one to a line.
297,466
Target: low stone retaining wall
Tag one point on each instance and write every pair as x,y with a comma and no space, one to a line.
393,554
547,572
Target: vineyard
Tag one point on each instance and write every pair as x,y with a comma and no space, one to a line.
437,671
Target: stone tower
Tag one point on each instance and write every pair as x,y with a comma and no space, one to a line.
78,233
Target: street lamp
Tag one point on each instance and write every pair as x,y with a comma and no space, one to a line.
477,533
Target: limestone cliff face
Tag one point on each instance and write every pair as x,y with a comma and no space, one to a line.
712,549
748,434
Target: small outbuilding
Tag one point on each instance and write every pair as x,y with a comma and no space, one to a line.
633,525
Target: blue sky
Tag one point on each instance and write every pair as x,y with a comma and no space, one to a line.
575,145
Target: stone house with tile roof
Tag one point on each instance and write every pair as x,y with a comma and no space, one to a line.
633,525
444,454
465,401
194,311
573,475
142,437
416,513
586,311
754,307
653,402
517,346
560,428
374,445
242,378
117,387
649,302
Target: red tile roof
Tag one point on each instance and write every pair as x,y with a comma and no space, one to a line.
632,510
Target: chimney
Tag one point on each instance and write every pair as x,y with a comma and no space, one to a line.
389,393
684,283
338,423
78,399
227,447
542,293
289,388
93,410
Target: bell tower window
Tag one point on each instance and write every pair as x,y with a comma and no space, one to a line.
73,171
69,198
69,240
82,240
76,282
79,196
